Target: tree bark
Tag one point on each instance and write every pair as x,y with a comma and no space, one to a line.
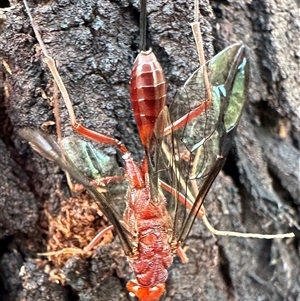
94,44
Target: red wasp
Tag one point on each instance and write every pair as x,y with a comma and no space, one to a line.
186,144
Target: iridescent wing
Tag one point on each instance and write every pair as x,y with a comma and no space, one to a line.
199,130
86,165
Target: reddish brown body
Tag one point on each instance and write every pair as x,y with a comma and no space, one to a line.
148,93
145,216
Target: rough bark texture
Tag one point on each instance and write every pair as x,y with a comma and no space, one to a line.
94,44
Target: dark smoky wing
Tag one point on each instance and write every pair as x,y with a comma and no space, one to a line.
78,158
198,129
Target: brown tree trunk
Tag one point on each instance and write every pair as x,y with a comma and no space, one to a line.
94,44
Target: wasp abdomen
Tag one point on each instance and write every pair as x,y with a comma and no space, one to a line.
148,93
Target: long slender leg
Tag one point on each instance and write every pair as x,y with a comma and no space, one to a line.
208,94
56,112
93,135
134,173
97,238
189,204
94,242
182,255
199,44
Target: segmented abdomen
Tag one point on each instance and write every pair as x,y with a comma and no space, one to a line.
148,93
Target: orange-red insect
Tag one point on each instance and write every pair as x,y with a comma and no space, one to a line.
186,144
